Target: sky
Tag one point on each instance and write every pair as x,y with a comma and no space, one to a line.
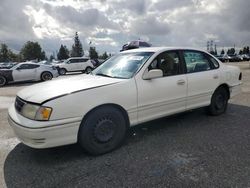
109,24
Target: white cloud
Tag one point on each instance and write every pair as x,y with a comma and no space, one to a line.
111,23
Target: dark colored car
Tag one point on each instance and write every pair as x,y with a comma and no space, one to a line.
135,44
6,65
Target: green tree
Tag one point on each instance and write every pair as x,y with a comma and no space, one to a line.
104,56
4,53
63,53
93,53
77,50
51,57
222,52
231,51
32,50
13,57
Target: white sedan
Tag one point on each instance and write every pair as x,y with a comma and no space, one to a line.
132,87
27,72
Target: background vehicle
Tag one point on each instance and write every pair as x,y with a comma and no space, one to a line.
135,44
27,72
7,65
75,64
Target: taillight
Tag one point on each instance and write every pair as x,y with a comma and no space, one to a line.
240,76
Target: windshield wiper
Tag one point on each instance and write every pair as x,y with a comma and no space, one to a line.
101,74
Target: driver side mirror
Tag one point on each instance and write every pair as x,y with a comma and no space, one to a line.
154,73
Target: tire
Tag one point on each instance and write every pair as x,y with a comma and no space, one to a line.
62,71
3,81
103,130
45,76
219,102
88,70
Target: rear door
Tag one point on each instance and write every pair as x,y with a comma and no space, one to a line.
82,64
202,76
165,95
72,65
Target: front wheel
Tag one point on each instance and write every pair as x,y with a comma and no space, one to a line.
3,81
219,102
62,71
103,130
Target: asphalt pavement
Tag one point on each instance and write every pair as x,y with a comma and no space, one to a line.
190,149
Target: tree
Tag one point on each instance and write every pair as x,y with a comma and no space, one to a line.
63,53
215,50
104,56
222,52
32,50
77,50
7,55
51,57
231,51
4,53
93,53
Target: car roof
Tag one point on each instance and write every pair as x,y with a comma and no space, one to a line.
29,62
159,49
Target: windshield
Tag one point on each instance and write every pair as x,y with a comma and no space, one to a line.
123,65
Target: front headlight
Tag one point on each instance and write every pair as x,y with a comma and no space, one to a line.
36,112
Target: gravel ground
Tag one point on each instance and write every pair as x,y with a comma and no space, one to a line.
186,150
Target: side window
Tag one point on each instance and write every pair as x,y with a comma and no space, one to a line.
73,60
168,62
82,60
196,61
24,66
215,63
28,66
33,66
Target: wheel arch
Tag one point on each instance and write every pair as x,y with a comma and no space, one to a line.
226,86
45,71
6,79
116,106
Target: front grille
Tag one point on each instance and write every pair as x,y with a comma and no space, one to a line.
19,103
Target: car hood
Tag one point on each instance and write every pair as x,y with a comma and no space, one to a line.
42,92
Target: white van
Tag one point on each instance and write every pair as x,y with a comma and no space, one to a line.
74,64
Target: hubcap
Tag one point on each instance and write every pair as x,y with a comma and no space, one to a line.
220,101
47,77
62,71
104,130
88,70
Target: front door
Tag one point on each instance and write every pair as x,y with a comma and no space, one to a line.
166,95
25,72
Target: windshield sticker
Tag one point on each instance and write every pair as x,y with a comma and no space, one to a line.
136,58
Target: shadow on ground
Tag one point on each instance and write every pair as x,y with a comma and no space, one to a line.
189,149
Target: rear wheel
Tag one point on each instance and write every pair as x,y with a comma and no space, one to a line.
3,81
103,130
219,101
46,76
88,70
62,71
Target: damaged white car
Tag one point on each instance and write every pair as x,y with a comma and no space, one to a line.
131,87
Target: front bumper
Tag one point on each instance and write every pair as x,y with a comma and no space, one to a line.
33,134
55,74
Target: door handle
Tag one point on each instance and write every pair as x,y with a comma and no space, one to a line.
181,82
216,76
